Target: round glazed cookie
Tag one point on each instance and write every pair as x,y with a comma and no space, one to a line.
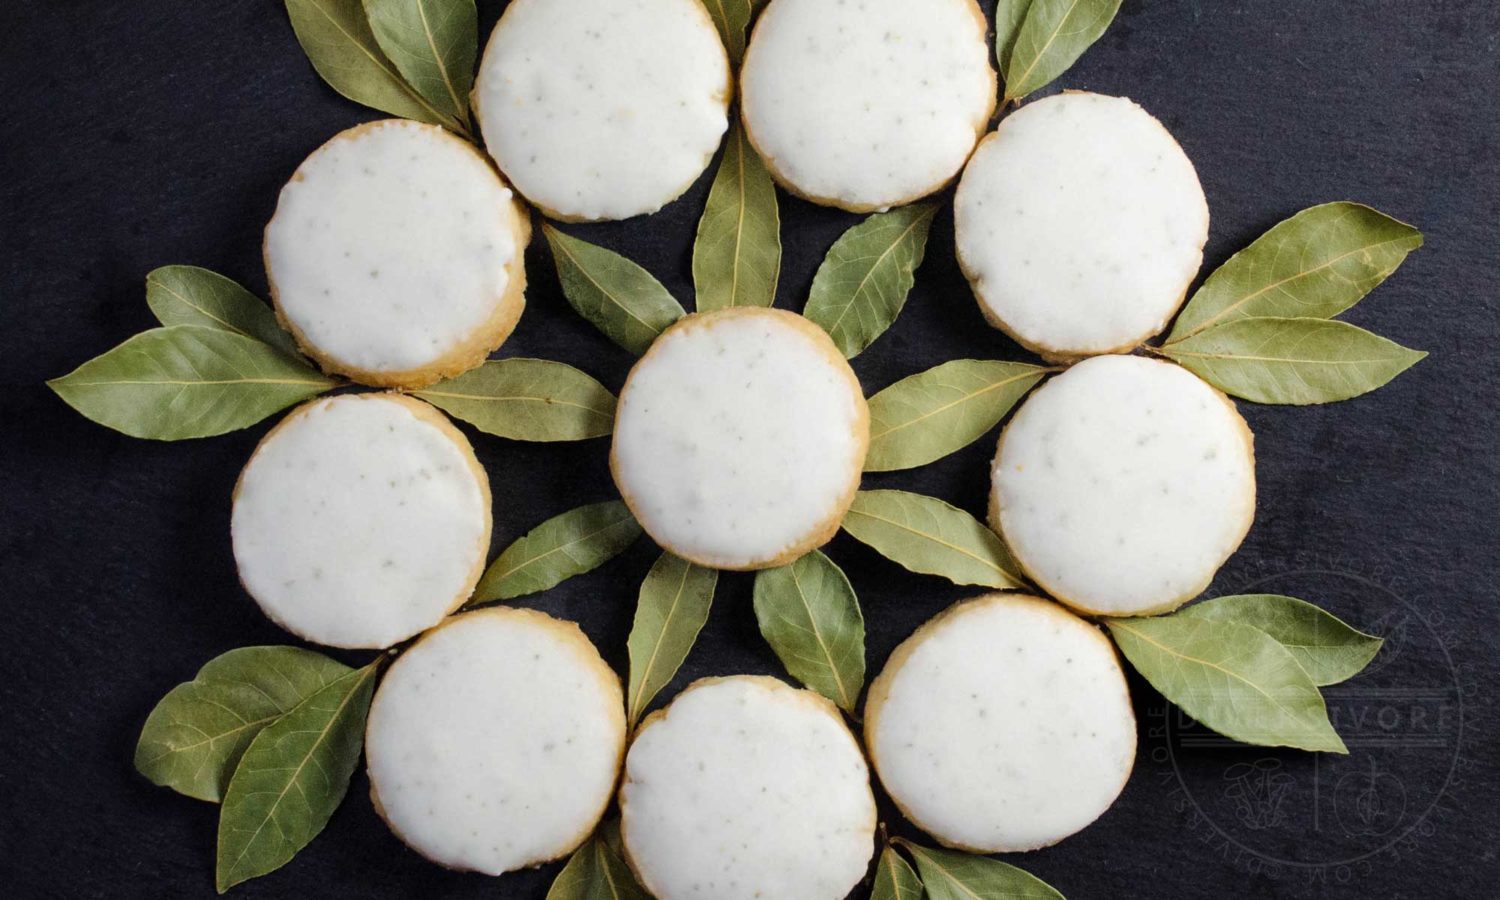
603,109
494,742
395,255
1080,223
1003,724
746,788
1123,484
868,105
361,520
740,437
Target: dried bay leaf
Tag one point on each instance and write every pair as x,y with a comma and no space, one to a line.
197,733
894,878
527,400
926,535
575,542
291,779
862,284
810,616
1326,647
187,381
1232,678
951,875
1315,264
1009,16
672,607
737,252
615,295
596,871
188,295
731,18
1293,361
433,44
1052,36
927,416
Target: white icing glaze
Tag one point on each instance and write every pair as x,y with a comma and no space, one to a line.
869,103
738,435
358,524
1080,223
1003,725
747,789
494,742
603,109
391,245
1123,484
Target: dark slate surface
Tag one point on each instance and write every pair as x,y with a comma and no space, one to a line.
139,134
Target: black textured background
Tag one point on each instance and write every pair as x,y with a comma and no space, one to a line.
136,134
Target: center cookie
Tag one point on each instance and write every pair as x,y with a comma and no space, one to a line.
740,437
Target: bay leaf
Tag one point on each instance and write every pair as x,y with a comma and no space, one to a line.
672,607
198,731
1328,650
187,381
1052,37
291,779
1314,265
575,542
433,44
731,18
894,878
927,416
1009,16
617,296
336,36
809,615
951,875
1294,361
862,284
737,253
188,295
928,536
527,400
1232,678
596,871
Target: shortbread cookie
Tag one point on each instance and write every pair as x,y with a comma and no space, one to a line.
395,255
494,742
1003,724
1123,484
361,520
740,437
1080,223
746,788
867,105
603,109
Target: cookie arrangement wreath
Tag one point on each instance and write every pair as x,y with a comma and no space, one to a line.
495,737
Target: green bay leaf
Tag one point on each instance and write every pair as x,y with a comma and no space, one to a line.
187,381
1314,265
731,18
927,416
336,36
596,871
862,284
926,535
894,878
615,295
292,778
1292,361
810,616
1052,37
575,542
527,400
432,43
1232,678
737,253
1009,16
672,607
188,295
951,875
1326,647
197,733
